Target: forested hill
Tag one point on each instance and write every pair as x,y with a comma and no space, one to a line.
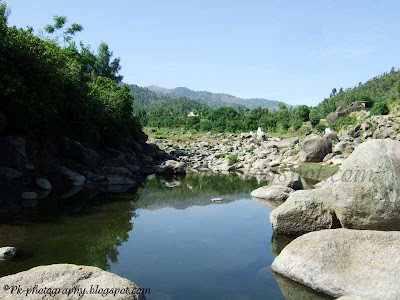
216,100
150,101
383,88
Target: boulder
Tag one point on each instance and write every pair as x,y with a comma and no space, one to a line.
75,151
43,183
274,163
7,253
305,211
339,113
344,262
12,152
172,167
9,173
352,298
261,164
29,196
272,192
290,142
289,179
65,277
119,180
121,171
74,178
367,187
315,148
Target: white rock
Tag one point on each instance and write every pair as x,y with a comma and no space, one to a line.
67,276
344,262
272,192
7,253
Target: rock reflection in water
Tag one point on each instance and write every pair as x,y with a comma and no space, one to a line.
294,291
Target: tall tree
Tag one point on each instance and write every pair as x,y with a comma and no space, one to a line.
106,67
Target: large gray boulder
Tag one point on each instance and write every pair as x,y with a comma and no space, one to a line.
75,151
366,190
315,148
62,278
344,262
290,142
364,194
304,211
272,192
171,167
289,179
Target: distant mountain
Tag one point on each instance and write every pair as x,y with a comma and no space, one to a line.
216,100
151,101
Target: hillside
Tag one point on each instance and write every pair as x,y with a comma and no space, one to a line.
216,100
151,101
382,88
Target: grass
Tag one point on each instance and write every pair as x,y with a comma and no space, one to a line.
232,159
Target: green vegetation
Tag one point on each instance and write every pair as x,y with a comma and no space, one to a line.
174,114
216,100
380,108
384,88
52,89
232,159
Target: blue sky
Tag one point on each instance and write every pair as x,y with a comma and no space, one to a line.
293,51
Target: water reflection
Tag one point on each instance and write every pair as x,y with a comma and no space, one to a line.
167,235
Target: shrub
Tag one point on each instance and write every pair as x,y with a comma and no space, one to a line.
380,108
320,127
232,159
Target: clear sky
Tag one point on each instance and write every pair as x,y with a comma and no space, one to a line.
293,51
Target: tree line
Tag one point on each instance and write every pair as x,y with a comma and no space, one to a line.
50,85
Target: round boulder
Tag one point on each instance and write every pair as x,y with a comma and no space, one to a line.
315,148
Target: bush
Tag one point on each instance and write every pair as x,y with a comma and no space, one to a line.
314,117
343,122
380,108
232,159
320,127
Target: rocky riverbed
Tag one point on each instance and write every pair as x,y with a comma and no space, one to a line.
32,170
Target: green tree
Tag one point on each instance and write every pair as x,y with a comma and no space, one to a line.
58,28
314,117
380,108
105,66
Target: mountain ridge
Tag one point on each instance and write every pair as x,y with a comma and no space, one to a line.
216,100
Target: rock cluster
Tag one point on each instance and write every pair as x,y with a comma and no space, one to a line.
31,170
364,194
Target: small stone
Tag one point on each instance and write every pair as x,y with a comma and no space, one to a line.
29,196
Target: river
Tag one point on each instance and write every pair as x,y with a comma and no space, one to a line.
166,235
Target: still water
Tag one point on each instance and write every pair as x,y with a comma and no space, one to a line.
166,235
